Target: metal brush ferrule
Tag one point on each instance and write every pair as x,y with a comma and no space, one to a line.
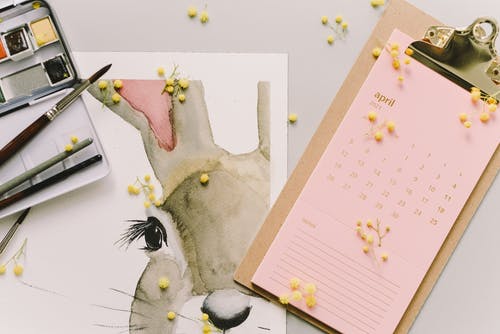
53,113
66,101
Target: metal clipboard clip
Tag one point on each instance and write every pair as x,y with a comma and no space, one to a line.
465,56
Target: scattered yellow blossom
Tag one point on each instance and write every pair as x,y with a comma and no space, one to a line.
204,178
310,301
330,39
68,147
131,189
377,3
204,317
161,71
171,315
396,64
475,94
292,118
102,84
324,19
284,299
372,116
391,126
344,25
74,139
467,124
18,269
384,257
376,52
310,288
170,82
147,204
181,98
338,18
409,52
118,84
484,117
463,117
297,295
369,239
192,11
184,83
3,269
294,283
116,98
163,283
204,17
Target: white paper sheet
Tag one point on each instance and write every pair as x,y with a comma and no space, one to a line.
70,249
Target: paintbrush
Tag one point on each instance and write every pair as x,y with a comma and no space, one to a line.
27,134
48,182
5,241
12,183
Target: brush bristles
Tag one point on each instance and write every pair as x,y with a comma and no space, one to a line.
99,73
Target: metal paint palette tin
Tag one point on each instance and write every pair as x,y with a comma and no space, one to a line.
36,70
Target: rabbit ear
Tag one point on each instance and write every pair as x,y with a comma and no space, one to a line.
191,122
195,149
263,117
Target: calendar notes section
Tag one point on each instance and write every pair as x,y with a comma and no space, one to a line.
415,180
364,293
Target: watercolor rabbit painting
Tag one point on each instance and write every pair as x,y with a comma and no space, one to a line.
212,205
215,202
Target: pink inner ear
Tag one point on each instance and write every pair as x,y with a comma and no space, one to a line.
145,96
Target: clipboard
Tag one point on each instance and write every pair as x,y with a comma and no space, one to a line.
395,16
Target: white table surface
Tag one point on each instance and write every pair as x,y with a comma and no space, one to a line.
466,299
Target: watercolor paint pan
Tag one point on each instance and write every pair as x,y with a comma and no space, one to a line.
36,71
57,70
18,44
43,32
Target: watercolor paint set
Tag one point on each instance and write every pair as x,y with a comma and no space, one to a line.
37,70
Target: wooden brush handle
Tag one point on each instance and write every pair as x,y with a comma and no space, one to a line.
25,136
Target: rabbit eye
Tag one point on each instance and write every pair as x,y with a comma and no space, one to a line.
154,237
152,230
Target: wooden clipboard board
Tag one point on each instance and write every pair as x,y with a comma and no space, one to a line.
395,16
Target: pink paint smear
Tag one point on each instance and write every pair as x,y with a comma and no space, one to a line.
145,97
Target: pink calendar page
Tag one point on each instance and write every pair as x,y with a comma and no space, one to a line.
411,185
